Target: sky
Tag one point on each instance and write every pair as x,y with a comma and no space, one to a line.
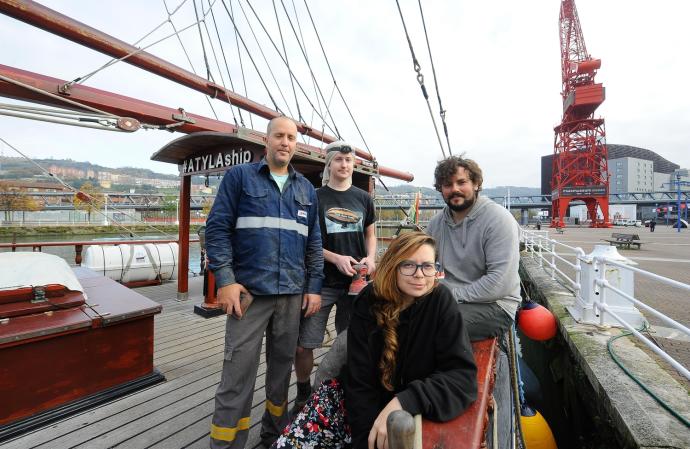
497,63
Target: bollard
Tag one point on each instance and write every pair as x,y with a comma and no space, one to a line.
400,427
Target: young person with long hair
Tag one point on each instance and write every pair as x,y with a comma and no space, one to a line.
407,349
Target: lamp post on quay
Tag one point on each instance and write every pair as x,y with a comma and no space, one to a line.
679,183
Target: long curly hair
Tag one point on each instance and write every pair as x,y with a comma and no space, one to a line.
389,300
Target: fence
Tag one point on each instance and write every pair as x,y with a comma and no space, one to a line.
598,298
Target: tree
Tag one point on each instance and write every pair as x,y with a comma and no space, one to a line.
170,206
206,206
89,199
13,199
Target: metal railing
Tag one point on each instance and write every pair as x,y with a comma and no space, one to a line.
544,249
603,284
79,245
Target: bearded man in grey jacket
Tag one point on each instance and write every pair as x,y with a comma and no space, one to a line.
478,249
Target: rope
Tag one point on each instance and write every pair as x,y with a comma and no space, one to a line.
442,112
614,356
227,69
304,53
330,70
209,76
137,51
420,78
287,62
313,85
239,57
57,97
275,105
263,55
296,80
100,124
516,386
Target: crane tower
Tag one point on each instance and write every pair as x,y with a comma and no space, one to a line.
580,170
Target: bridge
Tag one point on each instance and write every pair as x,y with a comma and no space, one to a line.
534,201
158,201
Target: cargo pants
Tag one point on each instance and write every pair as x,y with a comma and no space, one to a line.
278,316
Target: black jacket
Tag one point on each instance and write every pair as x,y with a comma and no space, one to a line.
435,372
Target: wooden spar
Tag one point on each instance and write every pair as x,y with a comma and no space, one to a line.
52,21
121,105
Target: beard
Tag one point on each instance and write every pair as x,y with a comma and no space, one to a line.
469,202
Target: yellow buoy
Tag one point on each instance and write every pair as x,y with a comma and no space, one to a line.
536,432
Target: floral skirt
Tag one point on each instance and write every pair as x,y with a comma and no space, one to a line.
322,423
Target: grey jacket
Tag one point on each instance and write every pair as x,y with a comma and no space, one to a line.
480,255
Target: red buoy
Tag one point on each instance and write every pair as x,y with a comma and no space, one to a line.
536,321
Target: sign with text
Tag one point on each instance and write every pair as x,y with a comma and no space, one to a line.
584,191
214,161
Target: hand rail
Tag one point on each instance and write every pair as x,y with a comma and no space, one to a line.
542,247
79,245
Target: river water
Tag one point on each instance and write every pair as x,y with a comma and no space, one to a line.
68,252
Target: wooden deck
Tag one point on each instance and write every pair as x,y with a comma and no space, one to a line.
173,414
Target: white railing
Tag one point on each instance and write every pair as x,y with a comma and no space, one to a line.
603,284
592,299
544,249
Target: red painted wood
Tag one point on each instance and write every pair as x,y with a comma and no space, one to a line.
50,359
467,430
24,306
183,248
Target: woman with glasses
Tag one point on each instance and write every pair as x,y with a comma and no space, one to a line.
407,349
407,345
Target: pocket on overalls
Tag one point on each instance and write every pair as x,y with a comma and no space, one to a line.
254,202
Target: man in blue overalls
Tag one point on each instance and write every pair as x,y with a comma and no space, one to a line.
263,241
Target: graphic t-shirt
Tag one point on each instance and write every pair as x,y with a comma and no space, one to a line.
343,217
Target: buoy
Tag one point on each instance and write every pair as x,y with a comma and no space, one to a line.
536,432
536,321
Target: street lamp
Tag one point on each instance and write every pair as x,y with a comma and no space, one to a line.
679,183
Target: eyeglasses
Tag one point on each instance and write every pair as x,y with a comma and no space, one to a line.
409,268
342,149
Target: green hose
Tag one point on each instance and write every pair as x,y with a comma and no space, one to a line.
661,402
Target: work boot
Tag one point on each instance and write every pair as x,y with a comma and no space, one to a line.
303,393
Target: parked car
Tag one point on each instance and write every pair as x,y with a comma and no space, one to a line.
627,222
683,223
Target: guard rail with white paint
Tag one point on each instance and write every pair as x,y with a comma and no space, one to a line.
603,287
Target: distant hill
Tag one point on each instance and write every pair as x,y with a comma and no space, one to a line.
17,167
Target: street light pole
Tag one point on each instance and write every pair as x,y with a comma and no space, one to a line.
678,199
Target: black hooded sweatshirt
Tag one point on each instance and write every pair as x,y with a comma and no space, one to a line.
435,372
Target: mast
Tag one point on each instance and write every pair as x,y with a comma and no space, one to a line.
124,106
52,21
580,170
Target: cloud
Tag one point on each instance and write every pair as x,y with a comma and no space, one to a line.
498,68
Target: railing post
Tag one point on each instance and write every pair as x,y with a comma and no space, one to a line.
77,253
553,259
601,282
578,271
597,274
400,428
541,258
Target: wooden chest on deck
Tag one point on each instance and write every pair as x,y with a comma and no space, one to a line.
55,362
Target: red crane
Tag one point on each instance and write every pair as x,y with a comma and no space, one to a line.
580,170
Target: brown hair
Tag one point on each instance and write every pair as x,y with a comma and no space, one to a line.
447,168
389,301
